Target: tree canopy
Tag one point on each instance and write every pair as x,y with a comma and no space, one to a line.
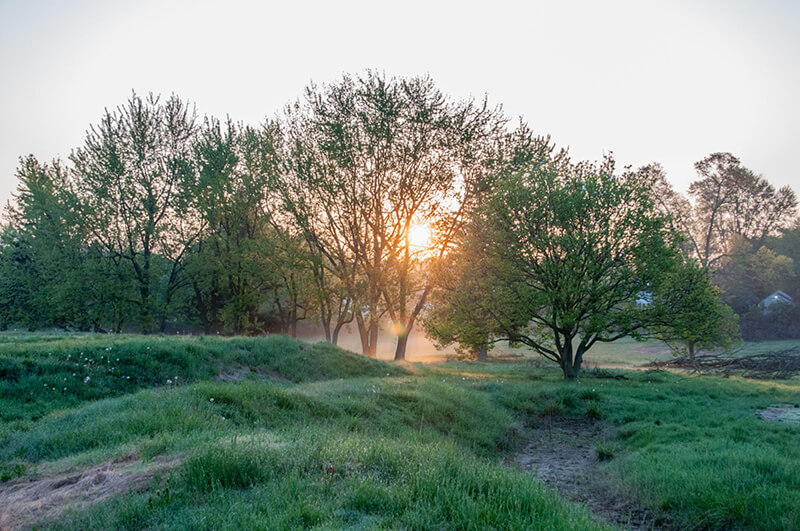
161,221
566,249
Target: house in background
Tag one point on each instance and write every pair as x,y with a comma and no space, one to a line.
779,297
644,298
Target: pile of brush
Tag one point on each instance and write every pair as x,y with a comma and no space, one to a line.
777,365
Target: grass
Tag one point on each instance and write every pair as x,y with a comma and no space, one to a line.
334,480
44,373
313,436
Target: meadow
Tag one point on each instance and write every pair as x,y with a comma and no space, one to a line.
141,432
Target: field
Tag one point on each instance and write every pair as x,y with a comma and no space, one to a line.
135,432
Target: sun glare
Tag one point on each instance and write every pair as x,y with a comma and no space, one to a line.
419,236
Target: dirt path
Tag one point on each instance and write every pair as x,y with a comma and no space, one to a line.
562,452
25,501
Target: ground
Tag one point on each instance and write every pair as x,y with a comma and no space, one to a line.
308,435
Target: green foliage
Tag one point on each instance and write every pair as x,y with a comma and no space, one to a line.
562,254
457,311
688,314
730,202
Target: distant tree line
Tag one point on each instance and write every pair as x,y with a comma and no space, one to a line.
162,220
746,233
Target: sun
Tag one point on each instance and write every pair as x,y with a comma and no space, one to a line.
419,236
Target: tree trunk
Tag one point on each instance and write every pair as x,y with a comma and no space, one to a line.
335,335
408,324
571,372
293,330
326,327
482,352
372,351
368,335
402,343
570,366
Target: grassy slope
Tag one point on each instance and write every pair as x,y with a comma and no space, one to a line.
42,373
410,450
342,447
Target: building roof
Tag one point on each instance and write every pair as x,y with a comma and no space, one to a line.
779,296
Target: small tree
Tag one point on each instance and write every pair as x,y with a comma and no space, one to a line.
461,303
688,314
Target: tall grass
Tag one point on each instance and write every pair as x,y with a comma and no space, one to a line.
335,480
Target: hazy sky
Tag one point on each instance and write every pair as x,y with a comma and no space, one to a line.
667,81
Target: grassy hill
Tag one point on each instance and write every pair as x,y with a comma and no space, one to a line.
43,373
273,433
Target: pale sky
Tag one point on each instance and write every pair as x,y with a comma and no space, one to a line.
667,82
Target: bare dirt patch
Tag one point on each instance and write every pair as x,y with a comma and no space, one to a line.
26,501
239,373
563,453
788,414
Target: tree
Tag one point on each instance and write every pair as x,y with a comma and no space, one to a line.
230,266
750,274
788,244
461,305
372,158
731,200
688,314
129,176
44,269
569,248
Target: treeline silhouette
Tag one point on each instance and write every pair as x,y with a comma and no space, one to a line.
165,221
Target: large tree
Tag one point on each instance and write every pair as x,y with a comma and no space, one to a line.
372,158
129,175
42,279
731,200
569,248
231,266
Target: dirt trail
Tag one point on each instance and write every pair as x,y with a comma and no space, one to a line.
26,501
562,452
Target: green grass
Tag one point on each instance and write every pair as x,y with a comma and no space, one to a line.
335,481
43,373
317,437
